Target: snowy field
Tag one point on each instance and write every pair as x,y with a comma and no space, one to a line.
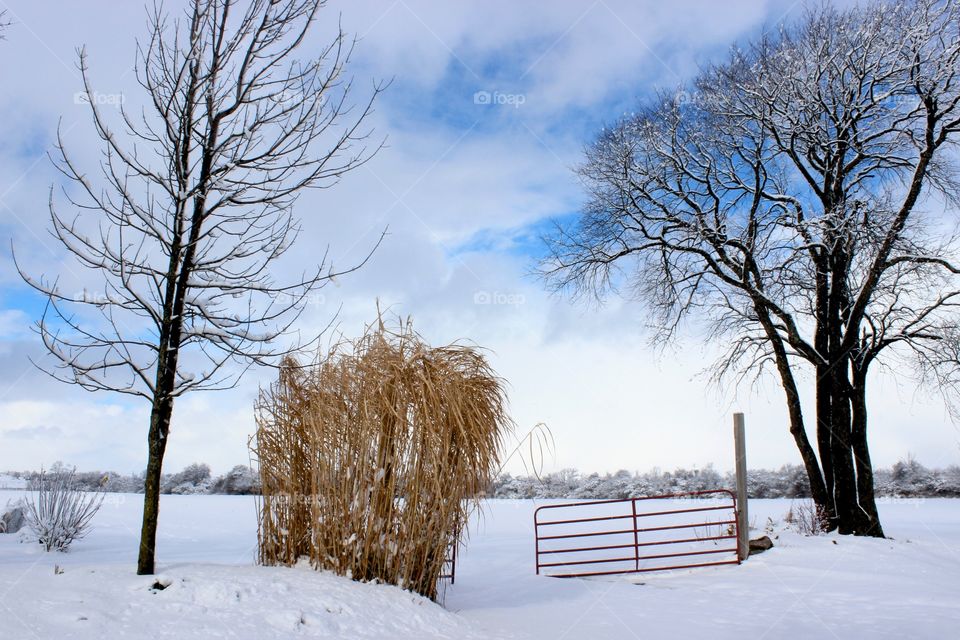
823,587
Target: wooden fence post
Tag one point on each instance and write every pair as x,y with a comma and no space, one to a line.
743,524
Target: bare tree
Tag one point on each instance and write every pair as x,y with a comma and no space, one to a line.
193,206
785,201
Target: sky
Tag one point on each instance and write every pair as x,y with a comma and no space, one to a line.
486,116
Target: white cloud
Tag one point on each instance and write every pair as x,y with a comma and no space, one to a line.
454,172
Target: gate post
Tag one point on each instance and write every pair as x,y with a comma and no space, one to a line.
743,524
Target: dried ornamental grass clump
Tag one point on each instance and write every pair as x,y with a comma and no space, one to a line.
372,457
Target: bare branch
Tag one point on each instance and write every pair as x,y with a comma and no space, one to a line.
192,209
784,207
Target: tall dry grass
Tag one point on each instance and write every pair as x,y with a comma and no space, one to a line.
372,457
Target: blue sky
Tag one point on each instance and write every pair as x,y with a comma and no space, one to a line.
466,189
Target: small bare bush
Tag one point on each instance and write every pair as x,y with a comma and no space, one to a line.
805,518
60,512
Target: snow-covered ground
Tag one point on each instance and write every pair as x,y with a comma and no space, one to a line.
10,482
829,586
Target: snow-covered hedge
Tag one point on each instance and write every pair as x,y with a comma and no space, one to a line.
196,478
907,478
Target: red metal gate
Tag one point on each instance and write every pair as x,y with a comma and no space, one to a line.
449,571
622,546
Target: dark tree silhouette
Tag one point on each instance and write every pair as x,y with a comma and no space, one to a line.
785,200
192,206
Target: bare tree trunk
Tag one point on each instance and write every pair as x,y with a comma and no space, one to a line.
824,443
865,491
818,489
842,435
157,446
178,273
824,396
844,490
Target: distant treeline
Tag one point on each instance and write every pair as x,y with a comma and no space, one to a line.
194,479
907,478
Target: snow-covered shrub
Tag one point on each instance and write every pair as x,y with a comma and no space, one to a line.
910,478
951,481
591,488
13,517
795,483
60,512
241,480
805,518
195,478
116,483
507,486
619,485
559,484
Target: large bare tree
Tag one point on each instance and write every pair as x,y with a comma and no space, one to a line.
794,201
193,206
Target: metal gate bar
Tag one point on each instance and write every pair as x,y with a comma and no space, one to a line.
636,531
449,571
